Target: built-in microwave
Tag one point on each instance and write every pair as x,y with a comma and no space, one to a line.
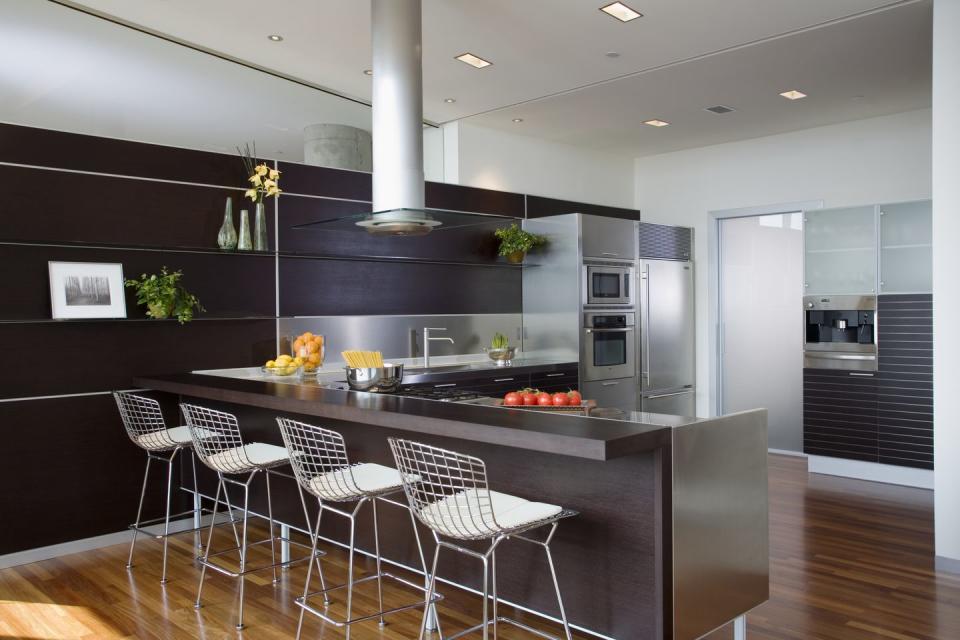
609,284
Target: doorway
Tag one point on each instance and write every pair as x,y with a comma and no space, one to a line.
760,273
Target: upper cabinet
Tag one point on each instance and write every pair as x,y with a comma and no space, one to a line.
610,238
906,247
870,249
840,251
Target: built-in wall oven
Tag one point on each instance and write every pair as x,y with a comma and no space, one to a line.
840,332
609,284
609,345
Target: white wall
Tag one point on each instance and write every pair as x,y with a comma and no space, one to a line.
884,159
946,266
493,159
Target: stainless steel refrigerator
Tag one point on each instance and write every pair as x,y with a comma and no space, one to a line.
666,345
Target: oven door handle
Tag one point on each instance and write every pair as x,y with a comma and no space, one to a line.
838,356
624,330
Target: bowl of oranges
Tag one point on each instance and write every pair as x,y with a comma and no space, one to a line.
309,349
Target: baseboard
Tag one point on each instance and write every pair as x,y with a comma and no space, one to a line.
873,471
948,565
86,544
787,452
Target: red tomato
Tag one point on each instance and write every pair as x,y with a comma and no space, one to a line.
544,400
560,399
575,398
512,399
529,399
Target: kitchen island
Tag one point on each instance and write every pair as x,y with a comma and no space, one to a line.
671,540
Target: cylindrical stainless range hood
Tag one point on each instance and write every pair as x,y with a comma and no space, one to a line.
398,196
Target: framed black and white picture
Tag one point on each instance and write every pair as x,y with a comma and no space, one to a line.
86,290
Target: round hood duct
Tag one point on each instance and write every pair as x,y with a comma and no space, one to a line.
398,183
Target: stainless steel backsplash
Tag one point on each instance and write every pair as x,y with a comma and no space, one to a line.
402,336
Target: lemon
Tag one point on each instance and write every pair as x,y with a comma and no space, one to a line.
270,363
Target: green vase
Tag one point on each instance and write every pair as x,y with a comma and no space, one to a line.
260,241
244,243
227,237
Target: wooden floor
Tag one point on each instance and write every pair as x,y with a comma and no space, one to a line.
850,560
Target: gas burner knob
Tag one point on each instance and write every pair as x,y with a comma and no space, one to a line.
809,305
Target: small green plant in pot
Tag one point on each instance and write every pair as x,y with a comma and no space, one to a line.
164,296
516,242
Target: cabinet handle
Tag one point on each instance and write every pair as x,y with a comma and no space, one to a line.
449,384
555,375
864,375
503,379
608,253
609,384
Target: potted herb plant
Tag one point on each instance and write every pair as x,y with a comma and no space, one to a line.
516,242
164,296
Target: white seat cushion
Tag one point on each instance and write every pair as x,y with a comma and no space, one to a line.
368,479
469,514
163,438
256,455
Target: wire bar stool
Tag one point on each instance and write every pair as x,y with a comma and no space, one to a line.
144,424
219,445
320,462
448,492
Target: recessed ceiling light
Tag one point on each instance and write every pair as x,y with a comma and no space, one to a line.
368,72
612,54
719,109
275,38
518,120
473,61
793,94
449,100
657,123
621,12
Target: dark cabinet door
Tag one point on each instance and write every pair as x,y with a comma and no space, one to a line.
905,400
563,379
840,414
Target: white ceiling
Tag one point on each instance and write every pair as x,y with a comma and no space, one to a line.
550,68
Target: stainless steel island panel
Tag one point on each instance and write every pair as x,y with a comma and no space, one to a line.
721,548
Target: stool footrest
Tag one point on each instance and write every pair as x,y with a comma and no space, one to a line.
302,602
236,574
505,620
153,522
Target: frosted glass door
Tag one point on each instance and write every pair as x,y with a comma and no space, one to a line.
840,251
906,258
761,322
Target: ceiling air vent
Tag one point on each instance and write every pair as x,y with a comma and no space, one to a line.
719,109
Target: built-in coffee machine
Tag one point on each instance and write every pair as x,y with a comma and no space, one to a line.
841,332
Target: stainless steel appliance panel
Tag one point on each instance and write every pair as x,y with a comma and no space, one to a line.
682,402
842,355
839,360
667,332
612,238
616,394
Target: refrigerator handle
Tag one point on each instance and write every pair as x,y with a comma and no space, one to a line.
645,321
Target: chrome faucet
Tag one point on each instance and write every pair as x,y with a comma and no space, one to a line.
426,343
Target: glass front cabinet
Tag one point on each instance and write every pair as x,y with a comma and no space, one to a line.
906,247
870,249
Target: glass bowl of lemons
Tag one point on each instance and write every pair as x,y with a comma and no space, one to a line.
284,365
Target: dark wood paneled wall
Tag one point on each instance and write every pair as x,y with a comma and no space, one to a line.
81,198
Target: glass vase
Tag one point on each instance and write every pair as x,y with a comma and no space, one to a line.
227,237
260,240
244,243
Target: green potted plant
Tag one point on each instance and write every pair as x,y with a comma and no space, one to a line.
164,296
516,242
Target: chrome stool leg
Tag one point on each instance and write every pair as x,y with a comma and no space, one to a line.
206,555
315,535
273,546
143,493
376,547
166,518
556,584
243,546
